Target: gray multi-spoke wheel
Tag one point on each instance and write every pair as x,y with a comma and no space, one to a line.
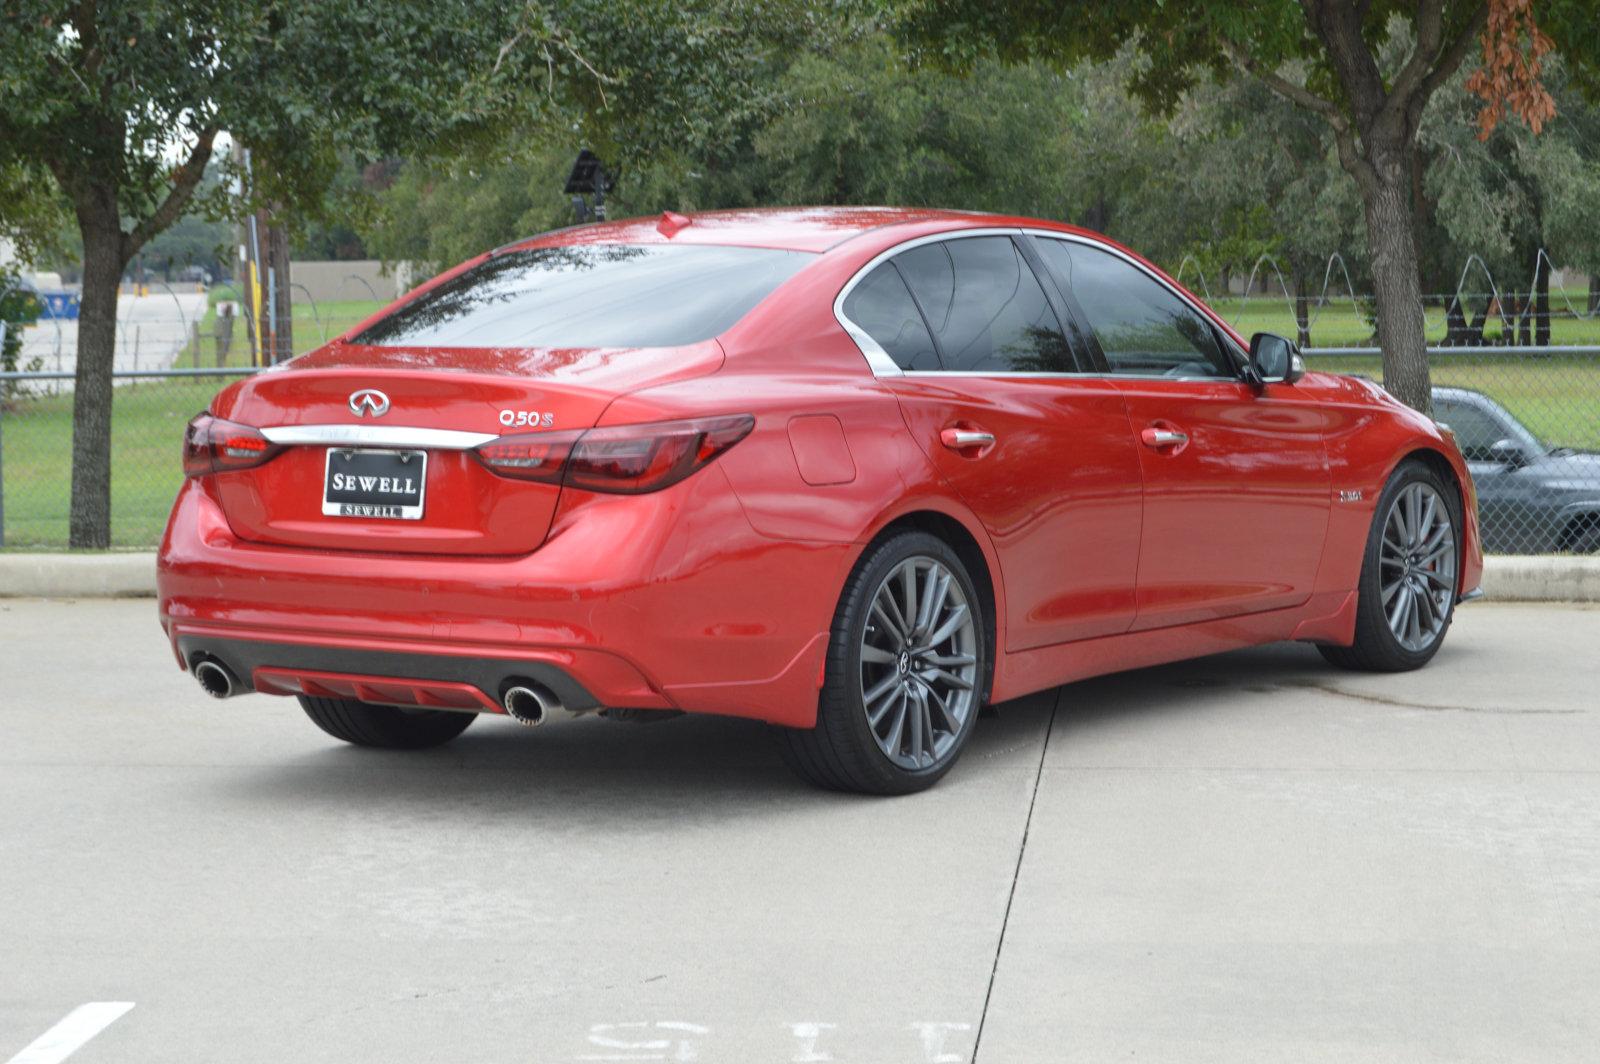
1417,565
906,672
919,662
1407,594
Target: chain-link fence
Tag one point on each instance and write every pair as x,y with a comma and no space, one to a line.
1528,420
168,329
149,411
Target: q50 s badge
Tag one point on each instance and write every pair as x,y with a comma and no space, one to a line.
532,419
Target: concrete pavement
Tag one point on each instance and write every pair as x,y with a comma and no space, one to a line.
151,331
1248,858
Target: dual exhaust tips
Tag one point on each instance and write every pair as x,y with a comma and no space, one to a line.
525,701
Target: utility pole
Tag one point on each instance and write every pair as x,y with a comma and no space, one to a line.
264,249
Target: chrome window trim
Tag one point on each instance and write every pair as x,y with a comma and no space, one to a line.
882,365
378,436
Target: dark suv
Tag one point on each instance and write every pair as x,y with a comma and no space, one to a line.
1532,498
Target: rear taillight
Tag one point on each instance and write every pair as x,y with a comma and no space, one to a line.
212,445
627,460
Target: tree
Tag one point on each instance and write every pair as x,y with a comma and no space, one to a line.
118,109
1521,203
1326,56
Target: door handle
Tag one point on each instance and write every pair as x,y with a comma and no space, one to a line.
1159,438
965,439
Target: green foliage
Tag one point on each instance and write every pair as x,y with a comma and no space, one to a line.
1508,196
1182,44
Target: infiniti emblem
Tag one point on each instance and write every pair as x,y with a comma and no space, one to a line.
369,402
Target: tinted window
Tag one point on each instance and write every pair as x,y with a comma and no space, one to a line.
985,306
882,307
1144,330
595,295
1476,431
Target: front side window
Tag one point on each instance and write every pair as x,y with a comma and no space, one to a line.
985,307
1144,329
591,295
882,308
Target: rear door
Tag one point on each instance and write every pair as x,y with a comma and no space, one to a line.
992,387
1236,482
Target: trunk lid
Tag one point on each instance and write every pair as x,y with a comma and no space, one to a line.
440,402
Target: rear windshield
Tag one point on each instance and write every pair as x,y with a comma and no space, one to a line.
592,295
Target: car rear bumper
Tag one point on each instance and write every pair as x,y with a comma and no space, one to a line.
662,601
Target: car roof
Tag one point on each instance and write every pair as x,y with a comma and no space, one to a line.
1459,394
813,229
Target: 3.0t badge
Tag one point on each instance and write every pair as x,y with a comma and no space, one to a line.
369,402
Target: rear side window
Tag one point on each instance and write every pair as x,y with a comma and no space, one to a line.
985,307
881,306
592,295
1144,329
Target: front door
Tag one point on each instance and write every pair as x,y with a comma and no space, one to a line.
1236,481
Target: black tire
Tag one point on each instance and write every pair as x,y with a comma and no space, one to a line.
841,752
388,727
1376,647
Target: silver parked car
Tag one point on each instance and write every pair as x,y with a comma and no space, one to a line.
1532,498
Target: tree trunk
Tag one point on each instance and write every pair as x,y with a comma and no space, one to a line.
1396,282
276,249
1480,321
103,262
1455,317
1541,303
1594,293
1302,312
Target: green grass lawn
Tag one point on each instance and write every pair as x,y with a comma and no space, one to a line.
1340,324
146,461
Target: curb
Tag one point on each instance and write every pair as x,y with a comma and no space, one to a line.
1541,578
1506,578
110,575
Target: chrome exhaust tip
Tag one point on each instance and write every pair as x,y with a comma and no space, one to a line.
215,679
530,703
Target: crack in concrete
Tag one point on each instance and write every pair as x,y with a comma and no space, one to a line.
1016,874
1400,703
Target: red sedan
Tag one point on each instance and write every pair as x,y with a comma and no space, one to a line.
853,472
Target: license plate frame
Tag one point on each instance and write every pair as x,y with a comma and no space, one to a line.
376,509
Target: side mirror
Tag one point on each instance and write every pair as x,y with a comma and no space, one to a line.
1508,453
1275,359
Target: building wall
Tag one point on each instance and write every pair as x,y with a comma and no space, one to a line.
362,279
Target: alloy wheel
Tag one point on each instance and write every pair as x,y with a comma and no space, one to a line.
1417,566
919,663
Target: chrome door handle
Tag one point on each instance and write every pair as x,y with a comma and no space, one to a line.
1164,438
965,439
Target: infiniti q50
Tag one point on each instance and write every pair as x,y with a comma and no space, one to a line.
852,472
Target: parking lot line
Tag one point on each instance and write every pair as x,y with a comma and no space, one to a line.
69,1036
